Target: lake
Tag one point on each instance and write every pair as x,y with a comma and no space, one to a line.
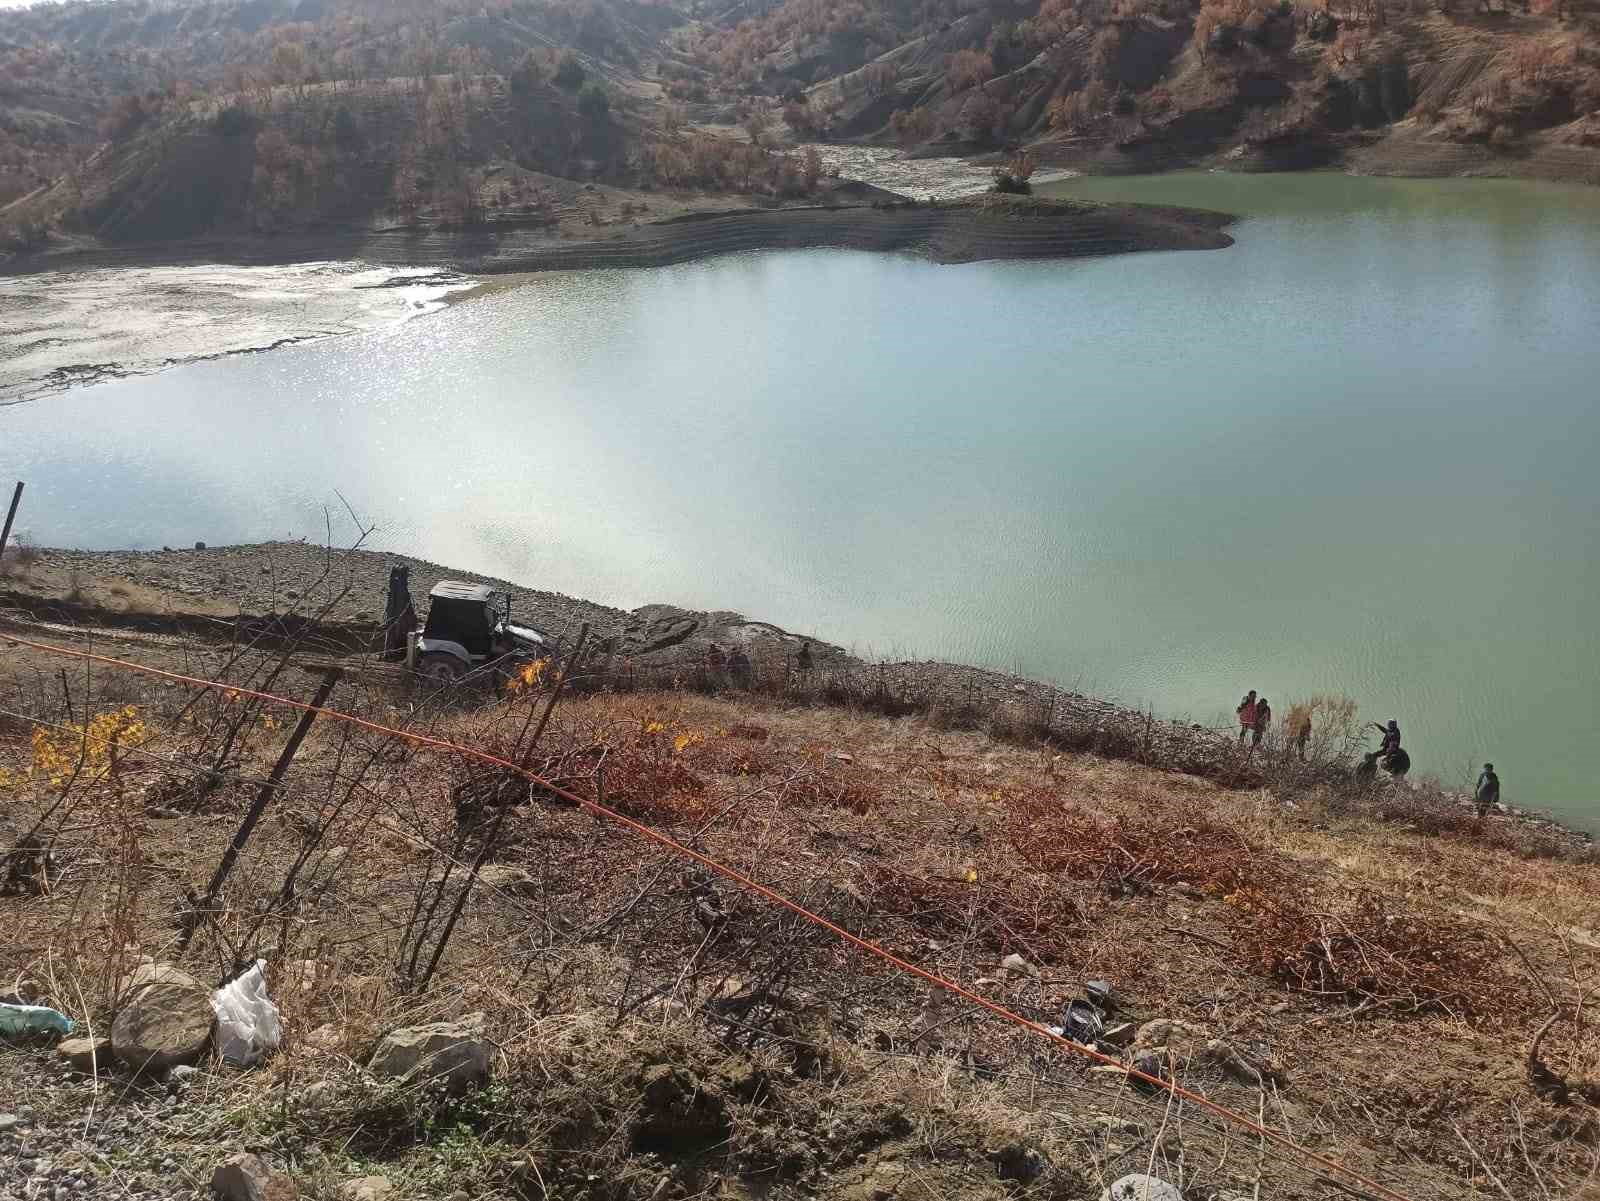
1355,453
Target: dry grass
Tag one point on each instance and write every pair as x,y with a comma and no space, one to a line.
599,958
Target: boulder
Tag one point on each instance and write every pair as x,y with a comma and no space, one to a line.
1139,1187
1018,966
367,1188
247,1177
165,1019
85,1054
455,1051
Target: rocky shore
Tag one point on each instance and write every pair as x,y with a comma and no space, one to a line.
335,598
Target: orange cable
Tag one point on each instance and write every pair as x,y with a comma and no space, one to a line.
754,886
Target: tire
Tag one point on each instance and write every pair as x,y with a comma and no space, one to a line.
438,670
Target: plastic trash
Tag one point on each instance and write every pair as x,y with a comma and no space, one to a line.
248,1026
33,1019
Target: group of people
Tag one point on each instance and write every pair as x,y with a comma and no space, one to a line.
1255,717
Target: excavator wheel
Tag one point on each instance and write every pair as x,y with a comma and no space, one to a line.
438,670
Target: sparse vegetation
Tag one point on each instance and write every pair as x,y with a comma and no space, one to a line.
655,1021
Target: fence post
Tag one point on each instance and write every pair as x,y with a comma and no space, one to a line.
257,808
11,515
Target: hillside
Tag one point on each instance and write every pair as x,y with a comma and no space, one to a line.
1374,977
218,118
1144,85
135,120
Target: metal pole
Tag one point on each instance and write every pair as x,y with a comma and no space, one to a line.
11,514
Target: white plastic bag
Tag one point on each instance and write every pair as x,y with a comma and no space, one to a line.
247,1022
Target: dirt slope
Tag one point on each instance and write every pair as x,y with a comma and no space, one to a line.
1367,984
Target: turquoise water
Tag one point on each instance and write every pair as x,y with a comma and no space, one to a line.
1354,453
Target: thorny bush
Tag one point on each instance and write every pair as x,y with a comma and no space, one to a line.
1127,855
1372,950
1001,915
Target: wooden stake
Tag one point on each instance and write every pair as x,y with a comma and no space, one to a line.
257,808
11,515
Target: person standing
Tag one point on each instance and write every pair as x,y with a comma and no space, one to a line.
1300,721
1262,723
1488,794
1391,739
1246,713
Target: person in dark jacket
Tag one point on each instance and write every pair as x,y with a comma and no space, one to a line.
1391,739
1488,790
1246,713
1262,723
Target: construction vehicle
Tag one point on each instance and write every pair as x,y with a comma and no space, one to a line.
468,630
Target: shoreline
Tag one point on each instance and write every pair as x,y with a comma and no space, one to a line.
270,589
973,229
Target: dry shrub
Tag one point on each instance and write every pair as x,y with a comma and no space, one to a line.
732,759
748,732
1128,855
1373,951
824,789
645,778
999,914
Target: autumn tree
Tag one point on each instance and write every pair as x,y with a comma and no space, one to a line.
967,68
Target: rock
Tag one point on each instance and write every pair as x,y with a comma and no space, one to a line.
85,1054
165,1019
246,1177
9,1122
456,1051
367,1188
510,880
1018,966
1017,1162
182,1076
26,992
1119,1035
1153,1064
1139,1187
1167,1032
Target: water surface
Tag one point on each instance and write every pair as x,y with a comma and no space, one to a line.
1354,453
